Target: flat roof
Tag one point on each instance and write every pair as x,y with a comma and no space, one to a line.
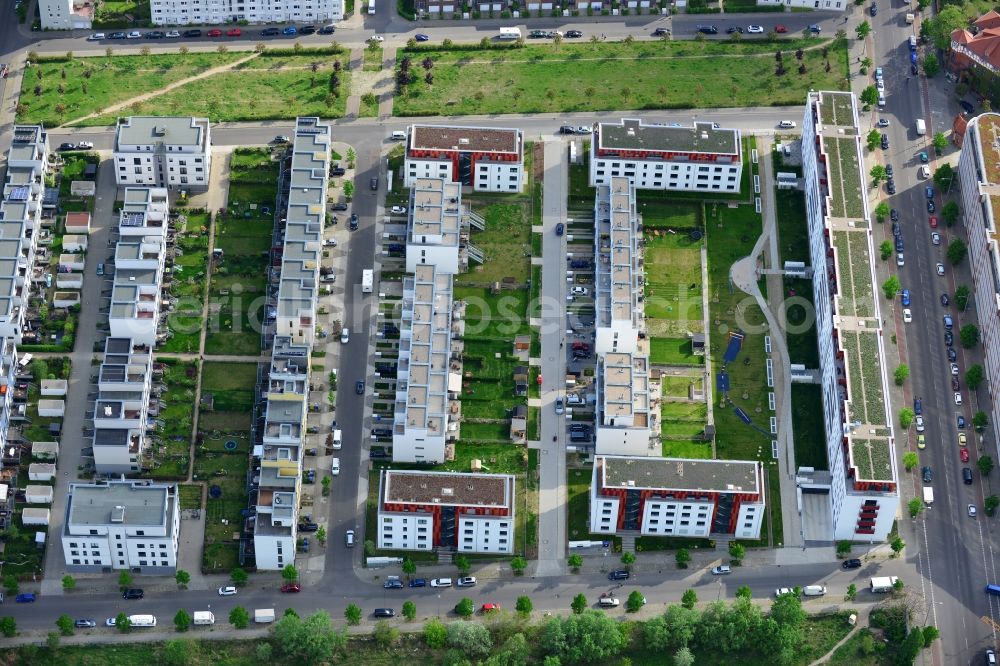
144,503
625,389
616,278
447,488
465,139
679,474
170,130
435,212
633,134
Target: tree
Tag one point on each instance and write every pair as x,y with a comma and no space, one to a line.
852,592
683,657
939,28
943,176
974,376
969,335
579,603
464,608
874,137
321,537
575,562
635,601
683,557
910,460
897,546
518,565
290,573
985,465
239,617
435,634
409,567
182,620
8,626
869,96
878,174
940,142
590,636
290,611
10,583
905,418
524,606
881,212
124,578
514,652
309,641
65,625
932,66
990,504
409,610
962,294
180,651
122,623
863,30
901,374
885,249
385,634
737,552
462,563
931,634
950,213
891,287
915,507
352,614
956,251
689,599
348,193
471,638
182,577
239,576
68,583
980,421
628,559
843,548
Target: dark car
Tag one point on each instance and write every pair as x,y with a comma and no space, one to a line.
734,28
574,34
888,170
873,10
392,584
291,588
906,297
339,206
420,37
307,30
559,229
949,339
337,170
567,129
952,355
899,243
661,32
270,32
815,28
117,35
290,30
708,29
929,192
538,34
968,108
967,476
155,34
308,527
373,183
944,300
377,453
192,33
418,582
132,593
853,563
327,30
25,598
927,474
885,142
359,387
894,215
930,206
895,229
890,186
913,69
384,612
67,146
955,384
918,406
353,224
618,574
84,624
961,422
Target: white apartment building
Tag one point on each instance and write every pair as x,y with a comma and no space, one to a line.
163,151
471,513
122,407
66,14
420,427
864,486
677,497
434,225
130,525
484,158
213,12
624,415
824,5
701,158
139,261
979,180
618,278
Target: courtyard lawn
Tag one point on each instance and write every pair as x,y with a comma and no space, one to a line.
590,77
673,287
170,460
494,316
673,351
682,420
686,448
807,426
94,83
506,242
231,385
190,271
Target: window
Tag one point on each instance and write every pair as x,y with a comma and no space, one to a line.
73,552
76,561
93,531
142,563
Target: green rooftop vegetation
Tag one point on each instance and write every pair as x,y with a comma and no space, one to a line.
854,274
836,109
844,178
871,457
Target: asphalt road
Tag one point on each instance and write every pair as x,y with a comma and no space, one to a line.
957,553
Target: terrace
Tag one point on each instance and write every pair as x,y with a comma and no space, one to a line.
856,296
844,176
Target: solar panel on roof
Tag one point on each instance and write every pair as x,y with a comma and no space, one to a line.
19,193
133,219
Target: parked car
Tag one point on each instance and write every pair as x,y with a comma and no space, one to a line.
968,108
964,455
25,598
227,591
467,581
441,582
885,142
214,32
894,216
780,29
328,30
291,588
574,34
373,183
905,295
815,28
560,227
359,387
853,563
734,28
96,37
392,583
307,30
708,29
234,32
882,122
781,591
270,32
192,33
340,206
787,124
353,223
918,406
397,210
133,34
418,582
930,206
961,422
132,593
290,30
721,570
155,34
84,624
619,574
421,37
933,221
67,146
755,29
972,510
927,474
939,267
944,300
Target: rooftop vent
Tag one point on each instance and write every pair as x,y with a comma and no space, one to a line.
118,514
159,131
450,492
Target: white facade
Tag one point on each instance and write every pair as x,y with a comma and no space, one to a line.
624,415
122,407
484,158
65,14
171,152
122,525
434,225
702,158
824,5
209,12
618,277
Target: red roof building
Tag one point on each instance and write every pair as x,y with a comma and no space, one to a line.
980,46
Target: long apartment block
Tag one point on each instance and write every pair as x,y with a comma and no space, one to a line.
433,233
277,498
215,12
864,480
163,151
20,221
123,405
979,180
676,497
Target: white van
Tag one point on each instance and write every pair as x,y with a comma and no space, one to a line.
335,466
398,135
925,171
881,98
441,582
204,617
338,439
813,590
609,602
142,620
345,336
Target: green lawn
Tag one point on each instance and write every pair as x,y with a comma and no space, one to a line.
506,242
180,379
190,495
680,448
807,426
800,333
121,13
231,385
372,59
615,75
673,284
217,466
110,81
682,420
673,351
190,271
74,165
495,316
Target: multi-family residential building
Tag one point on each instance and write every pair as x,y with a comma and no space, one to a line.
470,513
625,417
280,451
435,222
130,525
977,45
20,220
208,12
163,151
420,427
484,158
8,372
66,14
979,183
702,158
864,482
140,257
824,5
677,497
618,279
122,406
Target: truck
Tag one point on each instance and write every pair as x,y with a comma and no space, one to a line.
367,280
203,617
928,495
882,584
263,615
142,621
921,127
512,34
